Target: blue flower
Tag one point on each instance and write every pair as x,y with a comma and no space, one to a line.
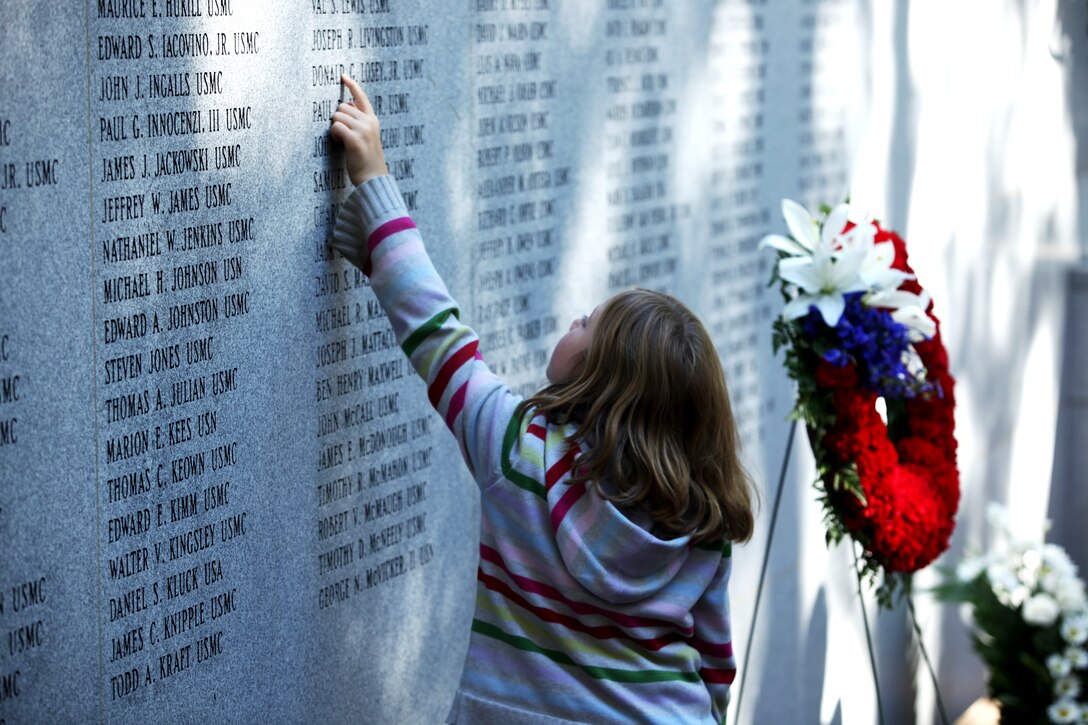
837,357
871,338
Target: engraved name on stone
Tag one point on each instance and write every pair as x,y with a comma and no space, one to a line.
518,181
175,228
738,214
374,453
27,178
642,210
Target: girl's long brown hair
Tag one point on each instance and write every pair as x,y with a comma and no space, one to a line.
651,401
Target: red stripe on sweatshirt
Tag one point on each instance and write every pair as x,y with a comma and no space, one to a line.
380,234
536,430
559,468
451,366
605,631
457,402
387,230
584,608
546,590
718,677
569,498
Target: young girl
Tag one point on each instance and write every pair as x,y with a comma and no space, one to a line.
608,500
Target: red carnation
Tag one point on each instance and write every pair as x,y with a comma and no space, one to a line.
830,376
920,451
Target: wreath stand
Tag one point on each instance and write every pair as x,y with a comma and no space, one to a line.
864,613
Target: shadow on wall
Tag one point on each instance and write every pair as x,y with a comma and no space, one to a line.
775,665
893,635
902,148
1069,500
814,651
1069,46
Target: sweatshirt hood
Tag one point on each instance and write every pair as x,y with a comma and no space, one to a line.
611,553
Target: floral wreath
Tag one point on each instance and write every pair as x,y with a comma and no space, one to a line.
873,389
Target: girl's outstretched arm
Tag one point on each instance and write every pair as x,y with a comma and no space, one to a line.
375,233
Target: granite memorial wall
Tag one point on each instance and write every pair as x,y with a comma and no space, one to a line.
222,491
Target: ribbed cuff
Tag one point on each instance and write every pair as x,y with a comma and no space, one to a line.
379,200
374,202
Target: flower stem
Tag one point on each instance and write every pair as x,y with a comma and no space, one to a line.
868,636
766,561
925,656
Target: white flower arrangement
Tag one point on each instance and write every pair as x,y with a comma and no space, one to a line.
1030,616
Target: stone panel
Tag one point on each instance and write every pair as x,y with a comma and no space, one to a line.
223,490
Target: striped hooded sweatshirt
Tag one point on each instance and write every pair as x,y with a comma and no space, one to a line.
582,613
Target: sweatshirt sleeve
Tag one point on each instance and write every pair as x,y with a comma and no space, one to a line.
714,635
374,232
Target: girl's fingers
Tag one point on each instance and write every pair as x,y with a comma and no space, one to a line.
340,132
350,109
346,131
361,99
355,123
350,120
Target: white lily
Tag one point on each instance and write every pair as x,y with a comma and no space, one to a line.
862,234
831,233
806,232
804,228
877,269
893,299
824,279
920,326
907,309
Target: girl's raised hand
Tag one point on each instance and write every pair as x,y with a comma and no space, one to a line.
356,126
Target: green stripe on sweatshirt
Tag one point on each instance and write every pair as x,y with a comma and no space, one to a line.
516,477
416,338
726,549
598,673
